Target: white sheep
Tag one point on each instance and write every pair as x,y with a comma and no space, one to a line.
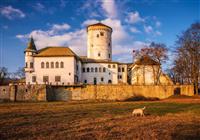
138,111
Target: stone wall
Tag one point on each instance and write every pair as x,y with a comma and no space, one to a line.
123,92
90,92
23,93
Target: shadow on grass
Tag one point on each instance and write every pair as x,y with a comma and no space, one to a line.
187,132
142,98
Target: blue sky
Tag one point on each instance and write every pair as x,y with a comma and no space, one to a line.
135,24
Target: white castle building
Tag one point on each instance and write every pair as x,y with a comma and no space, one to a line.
61,66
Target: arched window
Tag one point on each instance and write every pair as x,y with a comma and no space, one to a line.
42,65
109,66
104,69
57,65
99,69
119,69
61,64
52,65
96,70
92,69
88,69
99,54
31,64
47,64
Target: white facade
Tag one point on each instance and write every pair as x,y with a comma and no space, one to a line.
67,73
99,42
61,66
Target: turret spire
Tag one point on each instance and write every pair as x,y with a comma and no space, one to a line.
31,46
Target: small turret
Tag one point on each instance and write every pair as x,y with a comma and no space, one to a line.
29,52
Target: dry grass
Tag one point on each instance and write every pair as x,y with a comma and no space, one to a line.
168,119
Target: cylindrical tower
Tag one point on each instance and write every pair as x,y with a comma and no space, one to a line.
29,52
99,41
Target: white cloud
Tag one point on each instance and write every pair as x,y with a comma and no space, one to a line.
5,27
148,29
110,8
39,7
134,17
11,13
134,30
158,33
89,22
158,23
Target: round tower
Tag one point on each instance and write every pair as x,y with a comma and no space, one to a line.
99,41
29,52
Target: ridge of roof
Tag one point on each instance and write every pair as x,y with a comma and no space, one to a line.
31,46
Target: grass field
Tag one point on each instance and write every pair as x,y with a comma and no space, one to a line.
166,119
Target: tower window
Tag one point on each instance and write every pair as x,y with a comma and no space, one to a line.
119,69
109,55
57,78
45,79
97,35
52,65
122,69
33,79
61,64
109,44
26,65
99,54
31,65
47,64
57,65
102,33
92,45
96,70
42,65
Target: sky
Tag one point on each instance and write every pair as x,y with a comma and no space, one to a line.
135,24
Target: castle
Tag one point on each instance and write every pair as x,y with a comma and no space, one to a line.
61,66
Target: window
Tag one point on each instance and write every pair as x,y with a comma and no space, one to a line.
52,65
109,66
42,65
69,73
61,64
102,79
57,78
110,81
119,69
97,35
77,67
26,65
109,44
83,69
113,66
88,69
33,79
45,79
85,81
92,69
92,45
99,54
119,77
102,33
31,64
47,64
57,65
122,69
96,70
100,69
104,69
109,55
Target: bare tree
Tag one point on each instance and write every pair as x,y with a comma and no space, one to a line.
3,74
19,74
187,63
157,52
